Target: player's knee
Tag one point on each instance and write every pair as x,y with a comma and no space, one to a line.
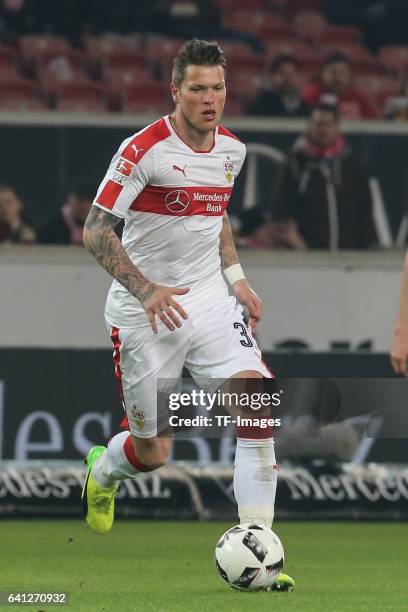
151,452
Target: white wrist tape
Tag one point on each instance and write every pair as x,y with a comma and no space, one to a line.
234,273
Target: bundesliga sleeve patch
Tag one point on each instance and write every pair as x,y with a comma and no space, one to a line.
122,171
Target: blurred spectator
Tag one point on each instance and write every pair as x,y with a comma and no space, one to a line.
254,229
13,226
396,107
280,97
335,85
324,199
67,226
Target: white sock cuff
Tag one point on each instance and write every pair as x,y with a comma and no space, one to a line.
252,443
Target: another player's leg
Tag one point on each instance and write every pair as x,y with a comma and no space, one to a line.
125,457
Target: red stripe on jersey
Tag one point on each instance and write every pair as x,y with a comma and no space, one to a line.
116,359
109,194
224,132
142,142
183,202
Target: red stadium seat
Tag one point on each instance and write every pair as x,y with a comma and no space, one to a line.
121,52
159,53
394,58
34,47
309,25
16,104
377,88
143,97
340,34
263,25
7,56
244,86
77,95
304,53
11,83
301,6
116,82
80,105
245,64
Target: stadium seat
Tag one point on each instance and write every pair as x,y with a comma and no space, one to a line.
118,82
77,95
7,56
159,53
309,25
304,53
302,6
16,103
264,25
378,88
233,107
121,52
394,58
244,86
34,47
145,98
80,105
56,83
340,34
16,92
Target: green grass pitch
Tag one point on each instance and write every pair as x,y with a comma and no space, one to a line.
157,566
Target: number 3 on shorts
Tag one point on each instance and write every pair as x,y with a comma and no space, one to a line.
247,342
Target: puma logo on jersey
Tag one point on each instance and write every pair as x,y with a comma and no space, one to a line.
182,170
136,150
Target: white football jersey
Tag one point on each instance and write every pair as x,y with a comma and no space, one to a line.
172,199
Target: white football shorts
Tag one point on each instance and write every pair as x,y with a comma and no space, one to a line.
213,343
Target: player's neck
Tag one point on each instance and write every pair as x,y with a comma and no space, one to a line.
198,141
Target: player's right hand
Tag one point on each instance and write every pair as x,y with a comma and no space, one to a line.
399,351
161,304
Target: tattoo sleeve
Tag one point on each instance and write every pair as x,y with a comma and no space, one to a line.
228,253
102,242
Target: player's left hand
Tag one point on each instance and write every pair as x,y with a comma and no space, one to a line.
248,298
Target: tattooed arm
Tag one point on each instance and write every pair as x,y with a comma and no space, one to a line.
240,288
102,242
228,253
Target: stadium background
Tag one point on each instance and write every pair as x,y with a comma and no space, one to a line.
327,315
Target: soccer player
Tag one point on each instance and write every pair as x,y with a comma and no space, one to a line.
169,305
399,347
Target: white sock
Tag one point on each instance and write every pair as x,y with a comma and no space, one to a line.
255,480
113,464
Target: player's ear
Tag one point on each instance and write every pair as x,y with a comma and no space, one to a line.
174,92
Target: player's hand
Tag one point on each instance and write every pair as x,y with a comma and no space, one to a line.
399,350
248,298
160,304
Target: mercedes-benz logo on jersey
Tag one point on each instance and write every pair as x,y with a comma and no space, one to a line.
177,201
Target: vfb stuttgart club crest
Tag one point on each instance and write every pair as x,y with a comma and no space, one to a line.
139,417
228,170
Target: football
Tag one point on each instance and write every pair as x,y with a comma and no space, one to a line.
249,557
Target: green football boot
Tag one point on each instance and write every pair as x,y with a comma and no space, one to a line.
98,503
283,584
